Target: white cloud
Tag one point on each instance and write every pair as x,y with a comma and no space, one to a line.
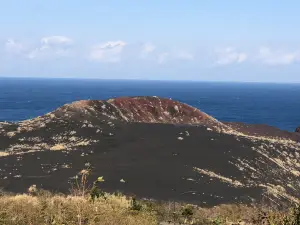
230,55
14,47
162,57
278,57
56,41
48,47
148,48
51,46
107,52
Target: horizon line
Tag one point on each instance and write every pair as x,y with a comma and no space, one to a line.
140,79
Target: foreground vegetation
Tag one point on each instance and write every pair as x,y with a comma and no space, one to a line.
71,210
115,209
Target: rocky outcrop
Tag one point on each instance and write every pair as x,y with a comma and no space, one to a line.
142,110
162,110
298,129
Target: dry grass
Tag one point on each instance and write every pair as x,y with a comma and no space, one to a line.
229,213
44,208
226,214
56,209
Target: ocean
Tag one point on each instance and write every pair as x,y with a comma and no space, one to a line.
255,103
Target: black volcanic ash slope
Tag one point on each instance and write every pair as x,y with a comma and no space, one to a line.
150,143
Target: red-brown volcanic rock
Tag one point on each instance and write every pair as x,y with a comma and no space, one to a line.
143,110
158,110
163,110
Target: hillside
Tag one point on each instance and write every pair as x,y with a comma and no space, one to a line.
162,149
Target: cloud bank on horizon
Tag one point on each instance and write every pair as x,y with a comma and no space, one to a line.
111,52
210,41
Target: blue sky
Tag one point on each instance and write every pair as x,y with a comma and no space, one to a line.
159,39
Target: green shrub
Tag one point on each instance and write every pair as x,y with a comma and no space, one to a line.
187,211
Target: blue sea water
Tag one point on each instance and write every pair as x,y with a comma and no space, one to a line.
256,103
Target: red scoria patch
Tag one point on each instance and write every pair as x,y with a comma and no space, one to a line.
153,109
